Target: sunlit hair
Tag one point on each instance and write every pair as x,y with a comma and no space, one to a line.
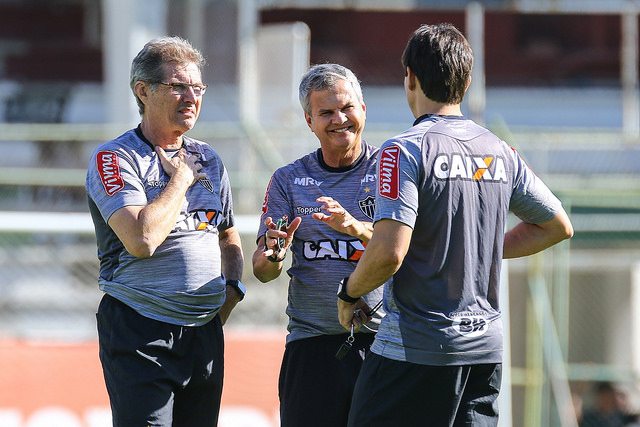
442,59
149,64
325,76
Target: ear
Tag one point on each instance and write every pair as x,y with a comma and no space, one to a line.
141,90
411,79
307,118
468,83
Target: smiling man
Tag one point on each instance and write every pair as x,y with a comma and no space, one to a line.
328,195
170,256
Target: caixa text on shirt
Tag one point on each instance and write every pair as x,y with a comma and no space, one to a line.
473,168
348,250
198,220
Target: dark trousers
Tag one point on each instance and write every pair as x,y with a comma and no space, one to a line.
159,374
315,388
393,393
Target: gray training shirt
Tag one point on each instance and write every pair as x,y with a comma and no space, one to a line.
453,182
321,256
182,282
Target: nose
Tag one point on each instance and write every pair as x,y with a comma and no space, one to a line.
190,95
340,117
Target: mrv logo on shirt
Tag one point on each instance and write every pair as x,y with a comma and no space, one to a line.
305,181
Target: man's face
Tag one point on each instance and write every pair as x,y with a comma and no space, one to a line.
172,111
337,117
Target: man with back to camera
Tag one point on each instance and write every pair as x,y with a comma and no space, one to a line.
328,197
170,256
445,188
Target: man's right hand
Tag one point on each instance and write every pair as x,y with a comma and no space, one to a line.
182,164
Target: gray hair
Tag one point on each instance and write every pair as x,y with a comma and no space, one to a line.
325,76
148,65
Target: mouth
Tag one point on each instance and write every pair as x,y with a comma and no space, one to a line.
187,111
343,129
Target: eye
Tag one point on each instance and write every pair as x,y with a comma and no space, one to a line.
179,87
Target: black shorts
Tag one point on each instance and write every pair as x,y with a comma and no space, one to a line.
393,393
315,388
159,374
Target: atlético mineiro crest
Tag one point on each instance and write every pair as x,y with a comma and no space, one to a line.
368,206
206,183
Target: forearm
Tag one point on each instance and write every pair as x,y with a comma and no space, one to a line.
158,218
527,239
231,254
142,229
382,258
375,267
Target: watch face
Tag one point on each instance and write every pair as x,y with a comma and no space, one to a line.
239,286
242,287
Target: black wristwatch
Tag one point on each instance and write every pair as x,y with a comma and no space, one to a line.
342,292
238,286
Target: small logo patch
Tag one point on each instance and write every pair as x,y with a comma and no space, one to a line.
389,173
368,206
206,183
109,171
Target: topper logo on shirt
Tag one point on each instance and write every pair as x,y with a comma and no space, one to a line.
389,173
109,171
473,168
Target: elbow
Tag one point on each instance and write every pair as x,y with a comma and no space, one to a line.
259,274
392,261
565,231
264,275
141,249
568,232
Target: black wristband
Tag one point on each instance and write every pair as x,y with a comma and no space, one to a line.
274,258
342,292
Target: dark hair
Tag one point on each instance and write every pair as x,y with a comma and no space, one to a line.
148,65
441,58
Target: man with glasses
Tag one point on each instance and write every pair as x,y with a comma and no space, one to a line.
170,256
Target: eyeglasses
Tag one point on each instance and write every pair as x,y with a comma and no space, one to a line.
182,88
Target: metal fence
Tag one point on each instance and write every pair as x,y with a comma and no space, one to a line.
572,315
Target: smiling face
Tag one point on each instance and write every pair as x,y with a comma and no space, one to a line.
337,118
167,112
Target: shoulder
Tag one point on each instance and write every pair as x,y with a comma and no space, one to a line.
126,147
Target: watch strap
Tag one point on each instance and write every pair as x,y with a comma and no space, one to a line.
342,292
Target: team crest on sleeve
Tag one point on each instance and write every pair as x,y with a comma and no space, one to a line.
389,173
109,171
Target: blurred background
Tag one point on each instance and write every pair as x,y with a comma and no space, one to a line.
556,79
